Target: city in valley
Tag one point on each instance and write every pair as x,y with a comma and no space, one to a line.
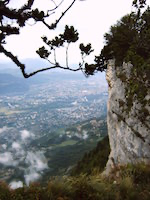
47,123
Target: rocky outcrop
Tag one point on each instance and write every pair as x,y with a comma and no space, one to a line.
128,119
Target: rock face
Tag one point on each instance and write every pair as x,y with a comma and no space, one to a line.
128,128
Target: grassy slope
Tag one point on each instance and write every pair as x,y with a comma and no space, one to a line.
125,183
95,160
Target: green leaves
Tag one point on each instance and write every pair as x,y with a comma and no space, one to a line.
70,34
90,69
139,3
38,15
128,39
86,49
57,42
43,53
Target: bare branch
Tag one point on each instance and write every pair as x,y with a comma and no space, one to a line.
55,56
67,55
22,66
54,3
14,59
56,6
50,61
54,25
21,16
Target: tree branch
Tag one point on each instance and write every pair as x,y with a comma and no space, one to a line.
56,6
21,16
27,6
67,55
54,25
22,66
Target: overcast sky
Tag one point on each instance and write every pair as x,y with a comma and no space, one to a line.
92,18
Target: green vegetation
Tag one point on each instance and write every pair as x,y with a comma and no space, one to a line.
86,183
94,161
129,41
123,183
61,148
62,158
66,143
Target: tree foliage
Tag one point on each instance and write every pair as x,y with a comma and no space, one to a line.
127,41
17,19
139,3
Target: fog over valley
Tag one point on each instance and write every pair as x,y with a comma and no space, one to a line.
16,154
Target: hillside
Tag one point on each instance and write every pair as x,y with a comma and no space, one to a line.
125,183
10,84
94,161
126,174
24,154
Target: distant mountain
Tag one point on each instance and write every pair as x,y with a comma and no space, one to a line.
50,75
12,80
35,64
10,84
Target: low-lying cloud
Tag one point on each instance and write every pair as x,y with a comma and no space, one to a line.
32,176
16,184
36,164
26,134
18,154
5,128
36,160
16,145
83,136
7,159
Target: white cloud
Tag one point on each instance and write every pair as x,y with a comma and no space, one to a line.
31,177
36,160
26,134
7,159
16,184
4,146
37,163
82,135
4,128
85,135
16,145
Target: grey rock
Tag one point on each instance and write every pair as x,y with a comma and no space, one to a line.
129,137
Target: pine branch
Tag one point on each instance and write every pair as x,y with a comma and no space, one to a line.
22,66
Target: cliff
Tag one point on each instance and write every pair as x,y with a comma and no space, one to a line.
128,116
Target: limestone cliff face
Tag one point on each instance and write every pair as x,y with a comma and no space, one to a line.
128,122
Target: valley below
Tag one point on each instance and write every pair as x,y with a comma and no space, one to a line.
46,130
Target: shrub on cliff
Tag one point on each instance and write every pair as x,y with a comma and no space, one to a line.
129,40
127,182
94,161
